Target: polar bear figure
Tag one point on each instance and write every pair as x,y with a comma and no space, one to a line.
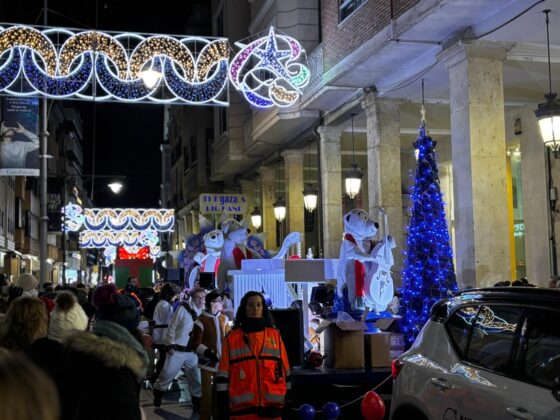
351,271
233,252
208,262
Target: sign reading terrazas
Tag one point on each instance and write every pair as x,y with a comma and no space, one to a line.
222,203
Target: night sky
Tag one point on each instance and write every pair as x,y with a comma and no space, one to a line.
127,136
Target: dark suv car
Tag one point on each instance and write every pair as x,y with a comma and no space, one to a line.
484,354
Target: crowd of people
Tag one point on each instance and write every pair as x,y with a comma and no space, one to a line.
92,350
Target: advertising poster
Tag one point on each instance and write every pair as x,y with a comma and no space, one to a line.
19,144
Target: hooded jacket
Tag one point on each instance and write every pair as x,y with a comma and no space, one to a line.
100,374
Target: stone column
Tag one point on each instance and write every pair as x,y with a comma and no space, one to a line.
248,189
384,169
479,163
535,199
331,189
293,169
267,177
195,222
187,223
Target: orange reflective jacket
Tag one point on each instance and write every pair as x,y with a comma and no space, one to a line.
254,370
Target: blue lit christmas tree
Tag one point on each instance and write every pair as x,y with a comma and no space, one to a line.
428,274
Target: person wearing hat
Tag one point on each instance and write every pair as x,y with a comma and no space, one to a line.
67,316
28,283
110,359
208,334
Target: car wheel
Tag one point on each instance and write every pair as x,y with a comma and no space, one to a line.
407,412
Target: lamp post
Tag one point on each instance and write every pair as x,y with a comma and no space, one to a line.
256,218
353,178
43,136
309,192
548,116
548,112
280,214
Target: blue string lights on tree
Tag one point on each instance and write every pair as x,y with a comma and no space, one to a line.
428,274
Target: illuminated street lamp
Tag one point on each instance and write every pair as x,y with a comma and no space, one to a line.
116,187
256,218
280,209
150,77
353,178
548,113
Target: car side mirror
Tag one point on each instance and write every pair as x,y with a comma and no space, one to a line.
556,388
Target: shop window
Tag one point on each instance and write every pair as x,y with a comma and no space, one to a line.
347,7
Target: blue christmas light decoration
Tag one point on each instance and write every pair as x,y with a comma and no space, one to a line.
428,274
9,71
59,63
277,78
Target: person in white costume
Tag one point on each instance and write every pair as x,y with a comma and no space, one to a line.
178,355
191,374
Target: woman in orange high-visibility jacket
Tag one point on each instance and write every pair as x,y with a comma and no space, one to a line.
253,375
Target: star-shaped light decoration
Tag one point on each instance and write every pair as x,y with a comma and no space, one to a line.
270,56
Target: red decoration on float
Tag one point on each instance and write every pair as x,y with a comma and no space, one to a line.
142,254
373,407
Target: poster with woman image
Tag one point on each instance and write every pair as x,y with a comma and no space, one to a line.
19,144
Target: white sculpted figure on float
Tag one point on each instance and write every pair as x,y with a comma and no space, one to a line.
236,249
378,283
208,262
233,252
351,268
364,267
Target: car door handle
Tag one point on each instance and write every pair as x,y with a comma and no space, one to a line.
441,383
519,413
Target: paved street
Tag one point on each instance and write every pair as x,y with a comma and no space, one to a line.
169,410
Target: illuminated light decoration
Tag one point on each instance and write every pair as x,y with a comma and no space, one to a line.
59,63
96,42
57,87
10,70
110,252
196,92
277,78
72,217
428,274
31,38
142,253
105,238
161,220
162,45
128,90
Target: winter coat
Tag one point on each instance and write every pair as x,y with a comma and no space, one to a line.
254,370
208,333
100,374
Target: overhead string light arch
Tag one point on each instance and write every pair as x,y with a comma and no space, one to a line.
106,66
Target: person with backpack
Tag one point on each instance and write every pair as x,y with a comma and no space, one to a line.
179,355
